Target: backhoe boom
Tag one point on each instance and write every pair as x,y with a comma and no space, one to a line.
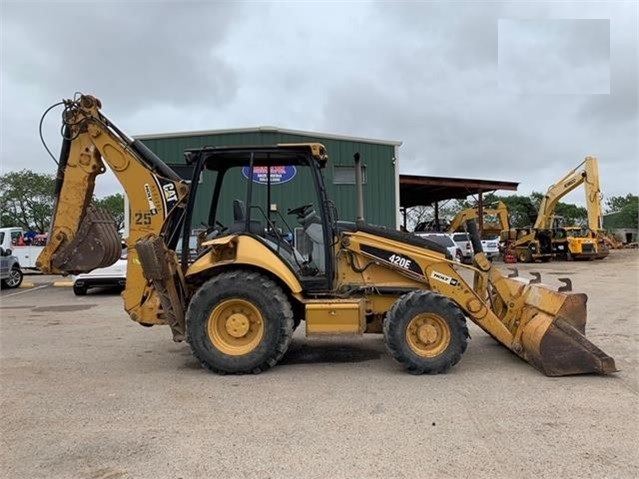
82,237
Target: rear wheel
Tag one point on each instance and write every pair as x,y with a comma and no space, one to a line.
14,279
426,332
239,322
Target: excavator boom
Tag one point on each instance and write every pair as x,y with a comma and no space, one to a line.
589,177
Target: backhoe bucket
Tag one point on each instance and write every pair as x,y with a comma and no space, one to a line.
552,329
96,245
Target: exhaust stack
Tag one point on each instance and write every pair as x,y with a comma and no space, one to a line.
359,188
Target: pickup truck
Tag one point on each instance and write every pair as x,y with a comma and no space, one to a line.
14,239
462,240
491,248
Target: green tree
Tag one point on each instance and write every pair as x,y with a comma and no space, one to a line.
627,214
630,213
114,204
521,210
26,199
618,203
572,214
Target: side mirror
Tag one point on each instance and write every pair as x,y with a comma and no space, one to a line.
8,252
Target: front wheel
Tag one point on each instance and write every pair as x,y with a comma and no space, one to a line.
239,322
426,332
79,290
524,256
14,279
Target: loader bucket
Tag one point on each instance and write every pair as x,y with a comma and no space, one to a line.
545,327
96,245
553,338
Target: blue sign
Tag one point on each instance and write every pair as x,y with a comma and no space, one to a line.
279,174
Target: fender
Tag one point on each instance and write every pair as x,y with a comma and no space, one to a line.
243,249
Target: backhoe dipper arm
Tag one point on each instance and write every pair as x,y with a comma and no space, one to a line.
83,238
463,216
502,214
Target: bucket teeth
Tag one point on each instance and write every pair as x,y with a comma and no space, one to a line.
567,286
515,272
536,277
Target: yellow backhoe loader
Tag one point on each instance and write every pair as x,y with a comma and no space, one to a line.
495,220
239,302
547,239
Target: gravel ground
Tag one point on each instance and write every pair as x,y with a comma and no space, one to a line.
86,393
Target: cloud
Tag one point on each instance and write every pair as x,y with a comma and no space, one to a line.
554,56
131,53
424,73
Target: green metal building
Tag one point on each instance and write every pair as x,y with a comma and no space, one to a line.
379,157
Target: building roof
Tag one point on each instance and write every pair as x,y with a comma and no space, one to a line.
270,129
426,190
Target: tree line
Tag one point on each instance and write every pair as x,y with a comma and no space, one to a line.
27,199
522,210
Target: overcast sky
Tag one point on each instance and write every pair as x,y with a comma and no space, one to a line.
517,91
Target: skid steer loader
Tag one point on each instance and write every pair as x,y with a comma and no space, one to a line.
239,302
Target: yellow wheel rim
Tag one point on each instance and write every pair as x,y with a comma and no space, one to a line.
428,335
235,327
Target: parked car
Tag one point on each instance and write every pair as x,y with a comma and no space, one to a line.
193,248
114,275
443,239
10,271
491,248
462,240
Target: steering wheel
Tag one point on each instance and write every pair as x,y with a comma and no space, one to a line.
300,210
214,231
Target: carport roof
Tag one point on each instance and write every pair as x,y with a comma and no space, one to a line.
426,190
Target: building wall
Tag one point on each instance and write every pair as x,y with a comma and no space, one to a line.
379,191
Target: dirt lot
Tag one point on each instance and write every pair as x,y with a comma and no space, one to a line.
87,393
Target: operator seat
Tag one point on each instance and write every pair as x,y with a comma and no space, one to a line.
239,220
312,224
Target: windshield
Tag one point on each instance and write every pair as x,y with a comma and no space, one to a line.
461,237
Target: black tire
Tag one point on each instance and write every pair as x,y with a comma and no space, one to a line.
244,287
80,290
14,280
525,256
410,307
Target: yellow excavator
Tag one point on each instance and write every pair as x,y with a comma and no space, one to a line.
548,239
239,302
495,219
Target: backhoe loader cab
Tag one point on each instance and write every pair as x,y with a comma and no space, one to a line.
238,303
261,208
